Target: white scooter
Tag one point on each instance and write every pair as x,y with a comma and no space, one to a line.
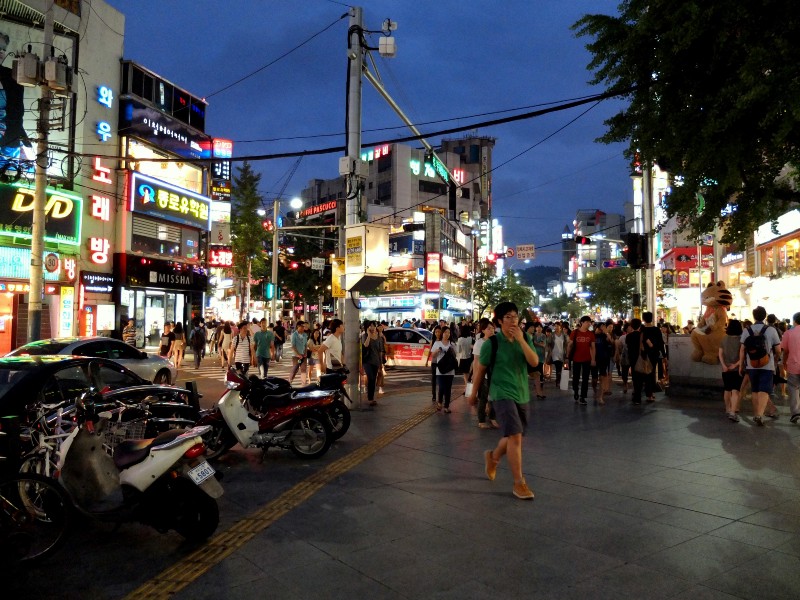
164,482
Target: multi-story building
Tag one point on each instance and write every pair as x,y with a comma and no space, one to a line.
605,230
431,255
160,271
80,202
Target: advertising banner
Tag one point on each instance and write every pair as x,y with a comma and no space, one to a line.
433,267
337,273
153,126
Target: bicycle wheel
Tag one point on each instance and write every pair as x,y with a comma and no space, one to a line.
35,514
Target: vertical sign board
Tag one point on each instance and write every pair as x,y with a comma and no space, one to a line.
433,261
337,272
66,313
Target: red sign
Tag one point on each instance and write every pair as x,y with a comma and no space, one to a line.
220,256
317,208
87,321
433,270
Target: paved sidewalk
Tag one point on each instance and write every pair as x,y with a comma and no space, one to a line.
665,500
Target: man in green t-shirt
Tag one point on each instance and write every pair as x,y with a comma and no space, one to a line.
264,341
508,391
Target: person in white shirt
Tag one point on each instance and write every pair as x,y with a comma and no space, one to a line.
330,351
444,379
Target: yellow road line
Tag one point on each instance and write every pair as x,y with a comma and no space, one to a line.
178,576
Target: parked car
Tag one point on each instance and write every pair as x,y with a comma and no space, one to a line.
156,369
406,347
28,380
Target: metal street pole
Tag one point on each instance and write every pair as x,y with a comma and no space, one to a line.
355,56
37,231
647,215
275,214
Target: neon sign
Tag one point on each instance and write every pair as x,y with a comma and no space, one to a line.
376,152
317,208
105,96
221,256
103,131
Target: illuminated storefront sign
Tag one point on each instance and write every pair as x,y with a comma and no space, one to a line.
97,283
165,132
63,212
317,209
376,152
220,256
156,198
105,96
433,262
98,247
137,271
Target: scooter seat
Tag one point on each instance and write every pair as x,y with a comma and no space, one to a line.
308,388
130,452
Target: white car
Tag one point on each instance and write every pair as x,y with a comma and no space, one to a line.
407,347
151,367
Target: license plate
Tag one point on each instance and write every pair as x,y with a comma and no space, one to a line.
201,472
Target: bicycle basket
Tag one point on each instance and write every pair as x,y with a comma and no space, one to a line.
116,432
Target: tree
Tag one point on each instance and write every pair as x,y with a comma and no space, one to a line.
613,288
712,90
248,237
564,305
490,290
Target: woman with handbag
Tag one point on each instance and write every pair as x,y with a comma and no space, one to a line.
653,346
444,354
633,341
437,336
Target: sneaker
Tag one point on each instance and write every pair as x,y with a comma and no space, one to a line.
491,465
733,417
758,421
583,402
795,418
522,491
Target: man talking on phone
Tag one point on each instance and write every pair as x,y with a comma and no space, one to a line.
508,392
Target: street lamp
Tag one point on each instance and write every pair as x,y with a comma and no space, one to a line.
295,203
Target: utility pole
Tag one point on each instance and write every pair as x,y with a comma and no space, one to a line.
40,193
276,212
348,307
647,217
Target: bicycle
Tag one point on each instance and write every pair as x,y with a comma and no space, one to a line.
46,434
35,515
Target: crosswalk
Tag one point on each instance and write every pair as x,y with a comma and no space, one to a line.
211,369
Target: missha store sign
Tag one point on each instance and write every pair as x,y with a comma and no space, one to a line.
140,272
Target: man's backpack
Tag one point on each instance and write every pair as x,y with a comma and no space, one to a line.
755,346
197,338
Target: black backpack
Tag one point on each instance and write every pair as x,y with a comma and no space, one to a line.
197,338
755,346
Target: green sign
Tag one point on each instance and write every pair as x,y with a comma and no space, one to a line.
63,214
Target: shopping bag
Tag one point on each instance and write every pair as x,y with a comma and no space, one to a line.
468,390
564,383
643,366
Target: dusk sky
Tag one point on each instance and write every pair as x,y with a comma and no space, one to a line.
457,63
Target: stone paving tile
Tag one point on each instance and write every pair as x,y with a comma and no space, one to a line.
753,534
769,576
700,558
723,509
702,592
626,581
692,520
775,520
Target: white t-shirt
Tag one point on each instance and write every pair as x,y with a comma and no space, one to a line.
333,349
771,338
464,345
438,345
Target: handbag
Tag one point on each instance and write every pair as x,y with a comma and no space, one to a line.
447,362
643,364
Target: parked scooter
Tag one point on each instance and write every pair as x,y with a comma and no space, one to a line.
287,419
337,412
164,482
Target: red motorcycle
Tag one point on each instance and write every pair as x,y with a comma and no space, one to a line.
258,414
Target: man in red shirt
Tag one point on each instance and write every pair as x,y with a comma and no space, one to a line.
581,349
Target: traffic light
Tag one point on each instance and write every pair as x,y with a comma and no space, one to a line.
637,253
452,194
294,265
269,291
582,240
491,258
267,224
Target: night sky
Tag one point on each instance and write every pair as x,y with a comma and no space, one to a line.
454,60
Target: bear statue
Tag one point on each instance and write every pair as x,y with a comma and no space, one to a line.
707,336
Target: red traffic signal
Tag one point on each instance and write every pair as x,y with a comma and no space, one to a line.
491,258
294,265
582,240
267,224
